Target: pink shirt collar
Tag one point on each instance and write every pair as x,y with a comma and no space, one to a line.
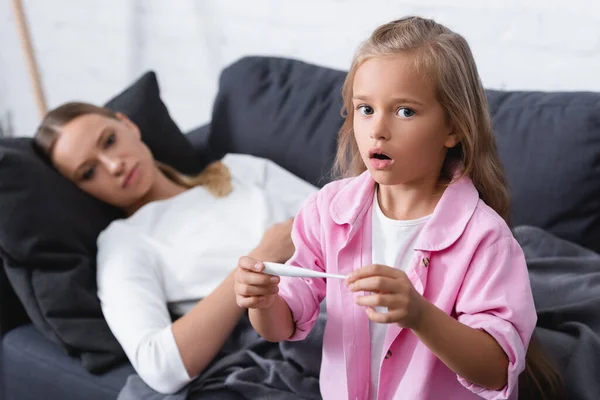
446,225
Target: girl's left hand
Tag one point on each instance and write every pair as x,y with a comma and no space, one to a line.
391,288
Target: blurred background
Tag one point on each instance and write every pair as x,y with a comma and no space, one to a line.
89,50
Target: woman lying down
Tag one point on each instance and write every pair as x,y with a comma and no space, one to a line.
179,243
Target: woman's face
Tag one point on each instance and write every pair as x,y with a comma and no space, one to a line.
106,158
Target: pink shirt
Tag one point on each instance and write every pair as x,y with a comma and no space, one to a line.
466,261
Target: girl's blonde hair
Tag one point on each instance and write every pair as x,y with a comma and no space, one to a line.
215,177
445,57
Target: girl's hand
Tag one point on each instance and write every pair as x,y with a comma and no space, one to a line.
253,288
391,288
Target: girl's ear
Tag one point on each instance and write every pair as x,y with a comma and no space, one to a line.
130,124
453,138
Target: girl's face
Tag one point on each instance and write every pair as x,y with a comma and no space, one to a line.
106,158
400,127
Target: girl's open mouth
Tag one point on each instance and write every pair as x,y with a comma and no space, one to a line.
379,159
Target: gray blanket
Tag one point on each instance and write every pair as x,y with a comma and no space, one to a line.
252,367
565,279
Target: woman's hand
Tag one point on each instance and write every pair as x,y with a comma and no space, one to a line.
276,244
391,288
253,288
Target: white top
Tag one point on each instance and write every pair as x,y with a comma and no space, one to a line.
393,245
171,253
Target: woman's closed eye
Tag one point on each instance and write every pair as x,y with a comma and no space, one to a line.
110,140
405,112
88,174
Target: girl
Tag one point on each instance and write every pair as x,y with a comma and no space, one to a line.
437,302
179,243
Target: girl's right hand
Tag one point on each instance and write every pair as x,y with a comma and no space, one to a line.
253,288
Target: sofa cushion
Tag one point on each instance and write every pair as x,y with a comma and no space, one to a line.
34,368
289,111
48,230
200,140
281,109
550,146
142,103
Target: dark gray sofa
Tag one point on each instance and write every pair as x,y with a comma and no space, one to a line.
289,111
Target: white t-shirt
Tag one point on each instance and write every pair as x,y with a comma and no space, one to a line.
393,245
172,253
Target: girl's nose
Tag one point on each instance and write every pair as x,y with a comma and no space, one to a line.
379,135
380,130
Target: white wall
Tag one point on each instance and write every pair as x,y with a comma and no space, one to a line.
90,49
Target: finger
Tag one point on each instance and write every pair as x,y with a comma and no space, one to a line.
256,278
250,290
385,317
374,270
260,301
377,284
250,264
378,300
250,301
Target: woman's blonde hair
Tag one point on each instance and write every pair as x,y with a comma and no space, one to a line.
215,177
445,57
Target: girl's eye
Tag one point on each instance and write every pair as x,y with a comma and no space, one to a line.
405,112
365,110
88,174
110,140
